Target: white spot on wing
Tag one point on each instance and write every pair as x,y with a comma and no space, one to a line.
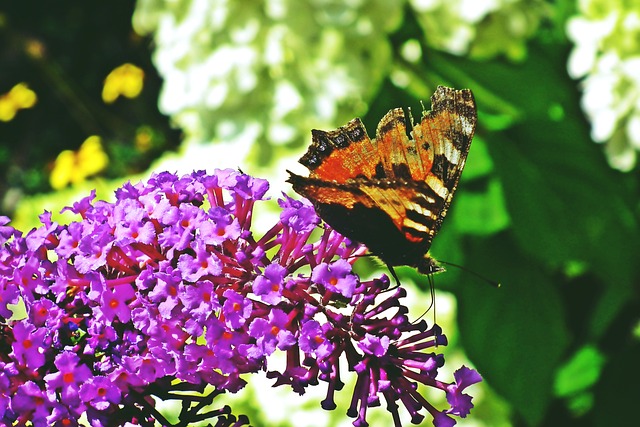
436,185
419,209
430,200
451,153
466,125
415,225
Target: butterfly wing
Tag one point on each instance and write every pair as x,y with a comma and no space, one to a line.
367,210
391,193
342,154
444,136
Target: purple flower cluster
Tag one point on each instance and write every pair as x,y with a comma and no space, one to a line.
167,290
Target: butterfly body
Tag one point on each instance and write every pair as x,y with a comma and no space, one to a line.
392,193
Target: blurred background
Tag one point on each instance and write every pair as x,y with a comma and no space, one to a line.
93,94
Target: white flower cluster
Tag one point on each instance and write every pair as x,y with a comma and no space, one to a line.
607,54
480,28
267,71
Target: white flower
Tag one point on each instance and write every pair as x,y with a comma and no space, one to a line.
480,28
587,36
607,55
283,66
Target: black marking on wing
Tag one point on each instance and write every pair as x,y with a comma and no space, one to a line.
391,124
340,140
460,139
401,171
321,147
441,167
356,134
323,143
419,218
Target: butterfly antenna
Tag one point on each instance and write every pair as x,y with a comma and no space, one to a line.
411,122
432,290
365,255
493,283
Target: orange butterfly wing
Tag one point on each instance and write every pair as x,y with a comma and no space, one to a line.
391,193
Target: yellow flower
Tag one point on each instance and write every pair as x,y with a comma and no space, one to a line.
19,97
73,167
8,109
125,80
23,96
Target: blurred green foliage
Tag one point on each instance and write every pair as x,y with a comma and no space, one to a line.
538,207
64,53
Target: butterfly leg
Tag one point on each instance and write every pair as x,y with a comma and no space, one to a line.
394,275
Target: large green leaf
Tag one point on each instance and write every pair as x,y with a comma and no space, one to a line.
564,201
515,334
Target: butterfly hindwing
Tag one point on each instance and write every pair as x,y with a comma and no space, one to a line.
412,207
380,214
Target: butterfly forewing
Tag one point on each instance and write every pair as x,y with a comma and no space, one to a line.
342,154
445,134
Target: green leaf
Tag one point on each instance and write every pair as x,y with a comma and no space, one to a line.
515,335
479,163
565,203
481,213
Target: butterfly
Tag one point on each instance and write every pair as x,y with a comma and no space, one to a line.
392,193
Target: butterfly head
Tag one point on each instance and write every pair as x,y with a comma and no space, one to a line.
428,265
